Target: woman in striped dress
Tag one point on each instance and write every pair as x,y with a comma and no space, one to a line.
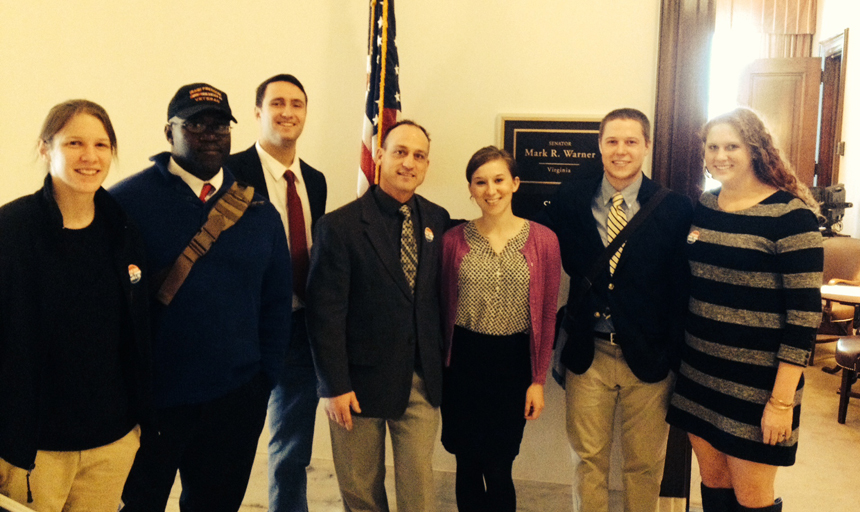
756,258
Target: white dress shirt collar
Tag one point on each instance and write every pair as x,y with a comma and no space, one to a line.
195,183
276,168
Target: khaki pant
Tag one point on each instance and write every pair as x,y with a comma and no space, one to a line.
86,481
359,457
592,399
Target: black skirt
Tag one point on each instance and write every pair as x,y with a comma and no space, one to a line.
484,394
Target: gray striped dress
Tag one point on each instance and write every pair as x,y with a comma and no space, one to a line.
755,301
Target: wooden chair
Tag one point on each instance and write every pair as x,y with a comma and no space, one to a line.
848,359
841,265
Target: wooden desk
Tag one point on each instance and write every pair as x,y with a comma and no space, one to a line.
844,293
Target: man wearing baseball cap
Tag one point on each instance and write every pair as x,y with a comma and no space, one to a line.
221,330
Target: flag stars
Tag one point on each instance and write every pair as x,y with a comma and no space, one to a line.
397,70
397,97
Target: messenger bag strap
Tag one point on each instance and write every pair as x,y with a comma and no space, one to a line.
620,238
226,212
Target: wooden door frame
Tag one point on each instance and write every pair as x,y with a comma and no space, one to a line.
686,30
832,101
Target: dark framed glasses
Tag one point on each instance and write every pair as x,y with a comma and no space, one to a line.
199,128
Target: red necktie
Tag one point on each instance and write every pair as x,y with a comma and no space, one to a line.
298,237
207,189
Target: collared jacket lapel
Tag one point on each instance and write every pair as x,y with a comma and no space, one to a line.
586,216
427,247
631,246
382,242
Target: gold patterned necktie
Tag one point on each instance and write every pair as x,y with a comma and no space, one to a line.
408,247
614,224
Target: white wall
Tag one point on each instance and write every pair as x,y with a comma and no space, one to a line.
834,16
462,64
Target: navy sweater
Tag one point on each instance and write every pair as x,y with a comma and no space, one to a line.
231,317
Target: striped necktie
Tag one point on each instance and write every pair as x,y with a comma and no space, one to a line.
614,224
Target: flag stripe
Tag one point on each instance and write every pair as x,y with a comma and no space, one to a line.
382,100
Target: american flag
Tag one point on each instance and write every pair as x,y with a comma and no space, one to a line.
382,100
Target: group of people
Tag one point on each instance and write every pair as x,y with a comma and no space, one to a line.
150,329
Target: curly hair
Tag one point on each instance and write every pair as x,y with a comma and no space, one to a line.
768,165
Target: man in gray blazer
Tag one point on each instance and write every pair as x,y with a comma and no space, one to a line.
375,330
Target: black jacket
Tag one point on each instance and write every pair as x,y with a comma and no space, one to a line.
247,168
29,231
361,309
647,294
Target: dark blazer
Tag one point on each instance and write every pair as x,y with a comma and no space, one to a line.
360,308
647,295
247,168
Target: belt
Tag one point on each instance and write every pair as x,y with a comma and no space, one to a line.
611,337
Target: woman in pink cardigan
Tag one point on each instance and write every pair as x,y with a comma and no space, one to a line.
500,276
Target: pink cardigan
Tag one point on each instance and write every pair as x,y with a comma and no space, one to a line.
544,260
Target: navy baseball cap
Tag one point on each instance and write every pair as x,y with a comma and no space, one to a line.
192,99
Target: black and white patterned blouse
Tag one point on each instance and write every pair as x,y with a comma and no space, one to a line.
494,288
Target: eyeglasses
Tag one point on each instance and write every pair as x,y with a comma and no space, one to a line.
199,128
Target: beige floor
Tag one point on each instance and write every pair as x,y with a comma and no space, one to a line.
825,478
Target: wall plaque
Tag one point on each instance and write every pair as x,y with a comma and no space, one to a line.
547,151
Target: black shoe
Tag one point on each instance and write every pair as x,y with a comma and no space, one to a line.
776,507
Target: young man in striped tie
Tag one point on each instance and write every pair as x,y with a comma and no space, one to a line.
625,333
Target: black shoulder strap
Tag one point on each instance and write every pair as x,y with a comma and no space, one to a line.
601,262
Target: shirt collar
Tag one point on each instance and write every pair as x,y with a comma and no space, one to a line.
388,204
193,181
630,192
276,168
